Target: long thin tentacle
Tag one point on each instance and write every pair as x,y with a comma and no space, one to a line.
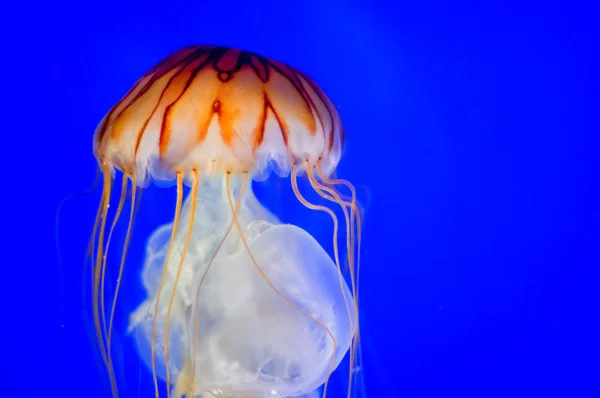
163,277
90,272
194,196
332,367
356,215
104,203
335,231
103,282
323,191
122,266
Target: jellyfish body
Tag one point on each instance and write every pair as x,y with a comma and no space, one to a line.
239,304
218,109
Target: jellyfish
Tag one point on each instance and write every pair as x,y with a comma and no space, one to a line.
238,303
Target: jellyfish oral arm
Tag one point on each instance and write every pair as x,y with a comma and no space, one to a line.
269,318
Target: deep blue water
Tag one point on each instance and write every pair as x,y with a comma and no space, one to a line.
472,130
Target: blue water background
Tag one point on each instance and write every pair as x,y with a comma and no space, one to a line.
472,129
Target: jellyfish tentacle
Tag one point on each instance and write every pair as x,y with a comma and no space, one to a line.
132,215
355,207
164,275
89,256
307,204
333,196
92,244
356,212
317,187
97,268
103,272
323,190
212,259
350,203
194,196
137,199
335,230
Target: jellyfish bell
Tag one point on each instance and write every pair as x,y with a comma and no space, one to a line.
238,303
212,108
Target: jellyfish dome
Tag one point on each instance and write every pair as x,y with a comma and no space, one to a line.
238,303
215,108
